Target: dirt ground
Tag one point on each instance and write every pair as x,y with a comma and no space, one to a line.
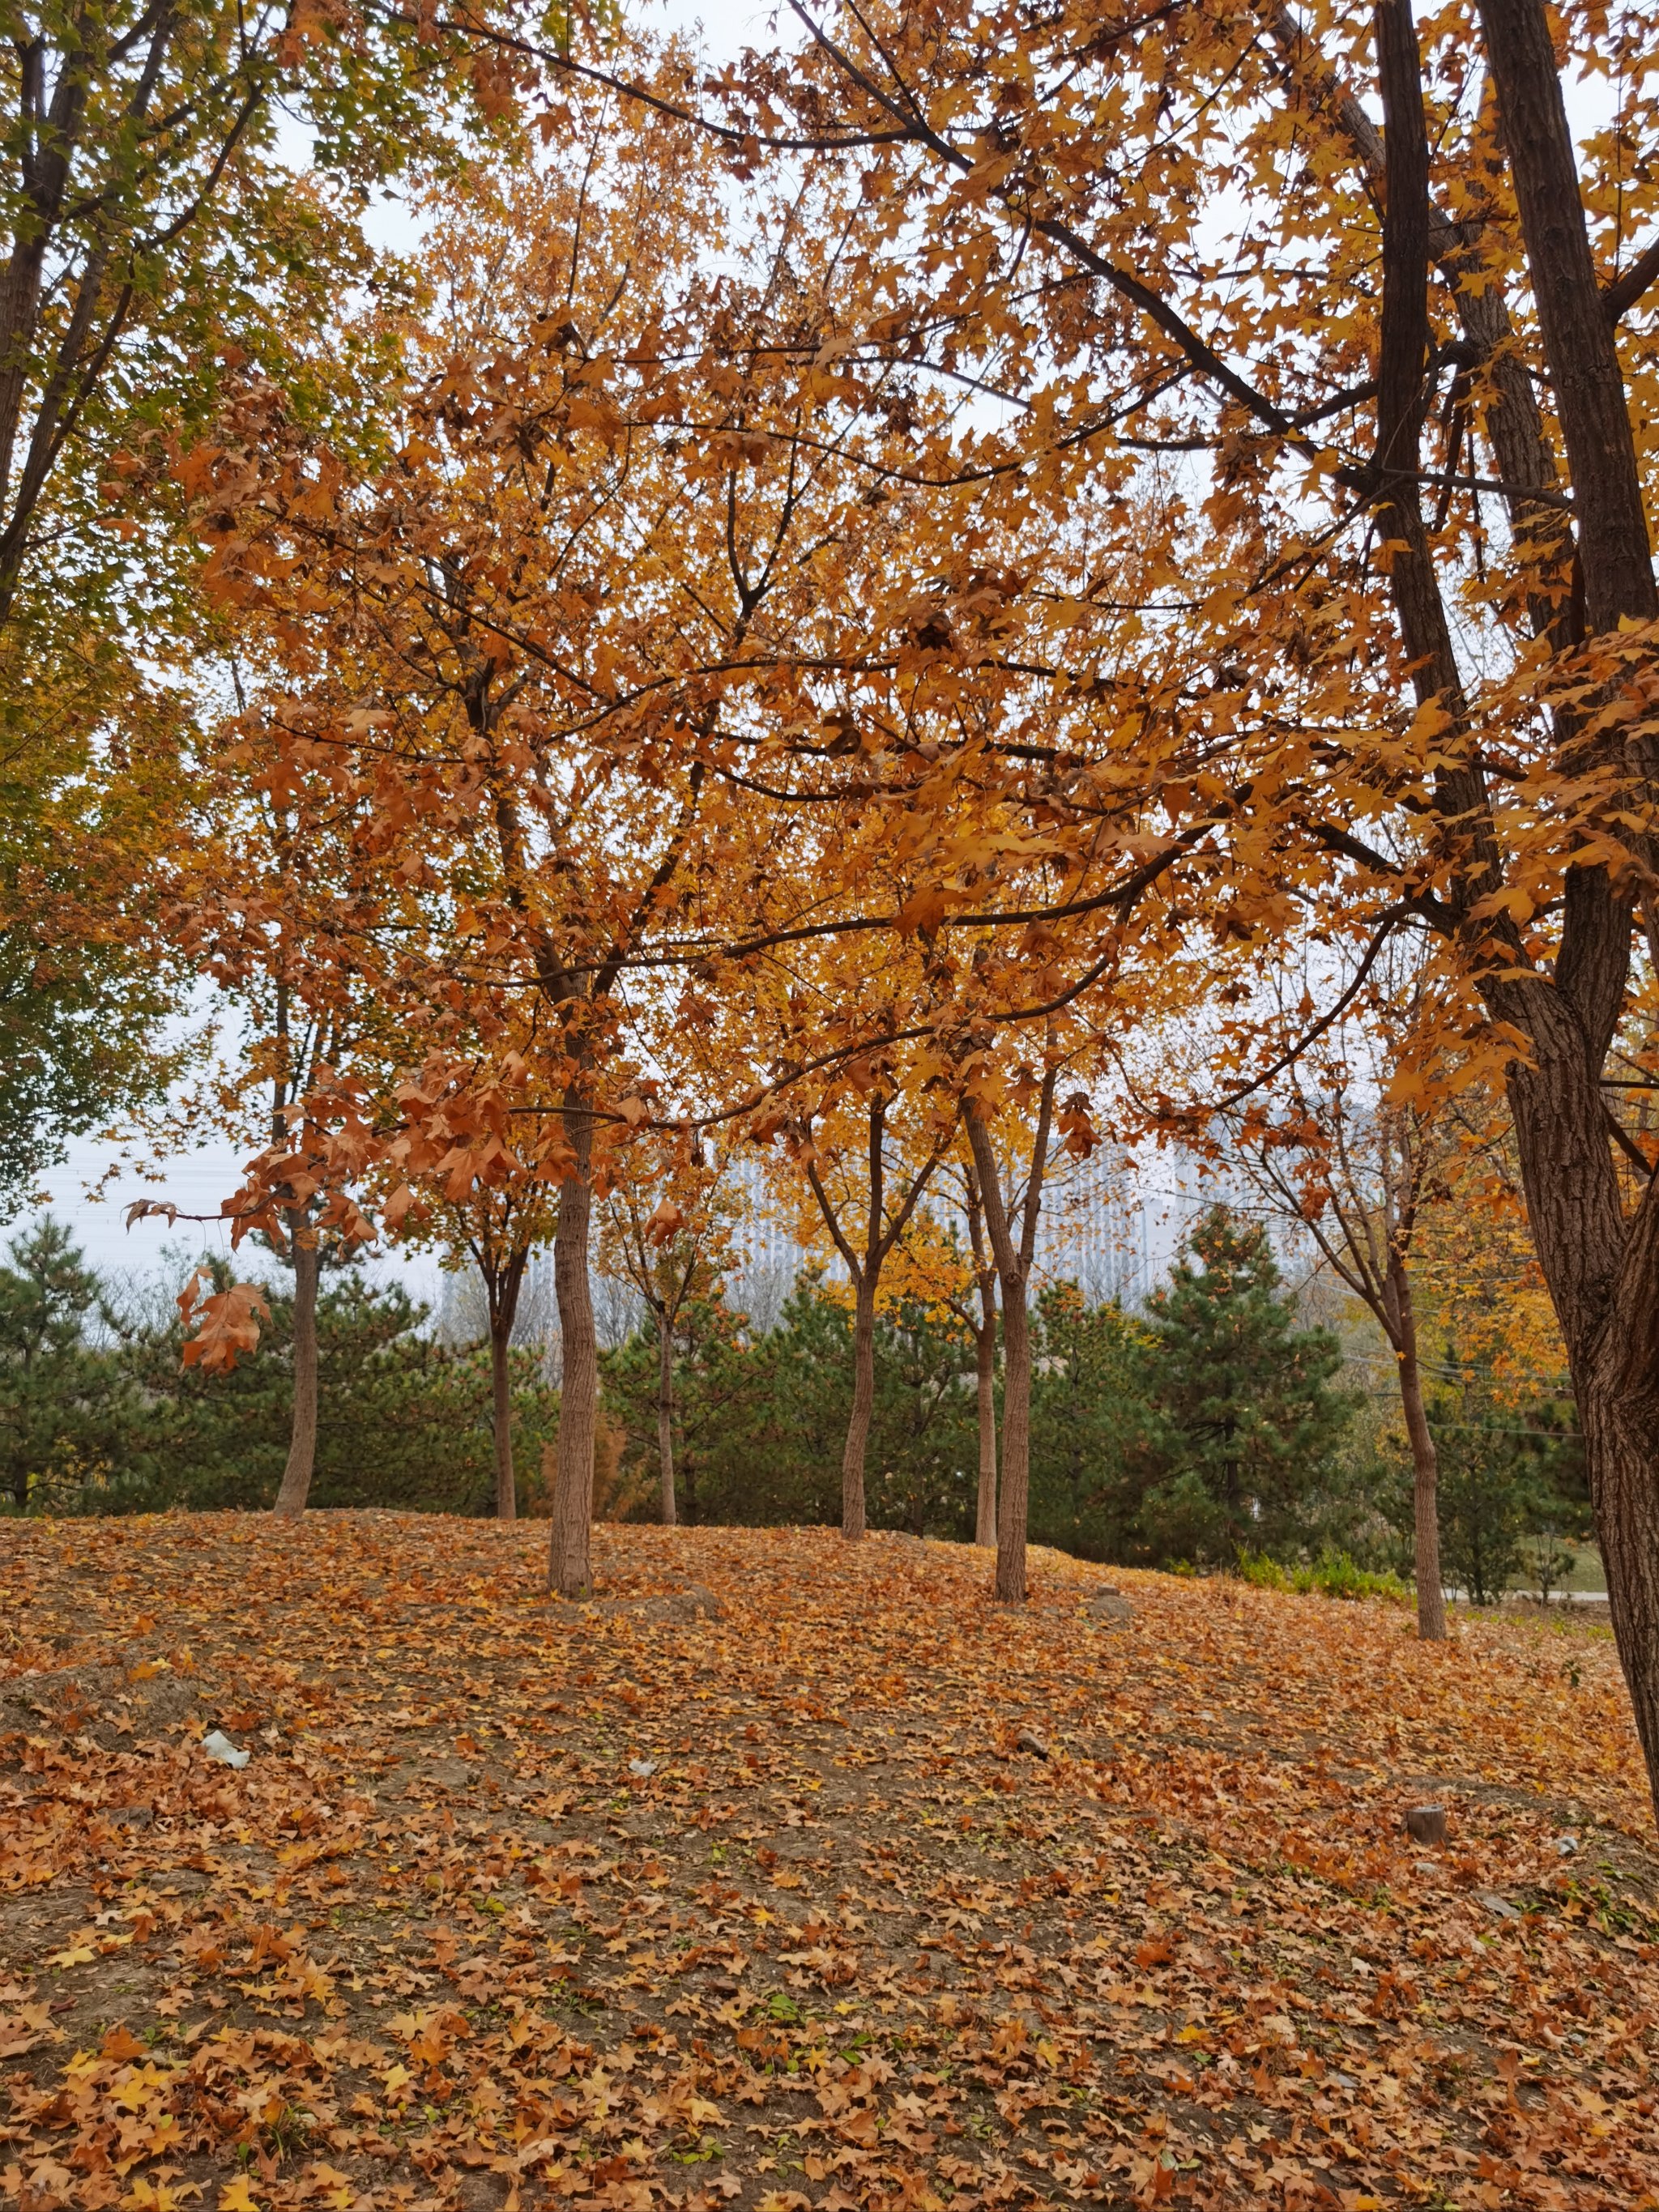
790,1874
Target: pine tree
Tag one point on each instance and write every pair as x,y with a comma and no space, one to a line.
56,1390
760,1416
1245,1425
1512,1494
1089,1424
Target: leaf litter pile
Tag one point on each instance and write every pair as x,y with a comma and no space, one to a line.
794,1875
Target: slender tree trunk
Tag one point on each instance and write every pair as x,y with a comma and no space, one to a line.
863,1399
302,1443
985,1360
501,1399
985,1364
665,1414
20,1478
1426,1463
570,1560
503,1279
1012,1490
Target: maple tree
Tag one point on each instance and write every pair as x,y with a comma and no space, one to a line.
237,903
1479,1281
481,773
983,1324
549,802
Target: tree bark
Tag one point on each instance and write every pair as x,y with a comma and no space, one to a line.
985,1357
1013,1271
569,1555
302,1441
1514,422
1590,400
1013,1491
1401,388
853,1520
1603,1276
500,1400
985,1366
1602,1270
1619,1420
665,1414
503,1279
1426,1463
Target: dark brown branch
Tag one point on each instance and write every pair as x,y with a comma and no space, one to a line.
1621,295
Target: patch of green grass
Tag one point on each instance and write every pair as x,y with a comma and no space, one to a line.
1333,1574
1261,1572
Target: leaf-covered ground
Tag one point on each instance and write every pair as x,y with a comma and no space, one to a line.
519,1903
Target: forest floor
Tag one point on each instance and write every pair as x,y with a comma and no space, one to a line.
861,1892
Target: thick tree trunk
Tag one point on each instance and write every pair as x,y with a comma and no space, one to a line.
985,1359
1602,1270
1603,1277
302,1442
1426,1463
570,1558
666,1414
500,1400
863,1399
1620,1424
1590,400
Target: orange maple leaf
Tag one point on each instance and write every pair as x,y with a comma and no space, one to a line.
227,1323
